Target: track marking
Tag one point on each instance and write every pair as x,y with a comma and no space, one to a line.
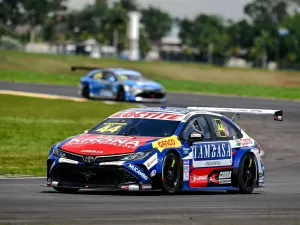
19,178
46,96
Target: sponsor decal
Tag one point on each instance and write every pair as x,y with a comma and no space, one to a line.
153,173
107,140
186,151
243,142
149,115
138,171
246,141
196,135
212,154
186,176
170,142
91,151
194,178
225,181
213,163
152,161
186,168
186,162
224,174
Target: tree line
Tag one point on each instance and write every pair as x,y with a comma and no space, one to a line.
270,32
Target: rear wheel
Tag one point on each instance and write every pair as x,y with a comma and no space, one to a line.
85,92
171,174
247,174
66,190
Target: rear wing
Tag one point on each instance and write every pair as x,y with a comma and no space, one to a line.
73,68
277,114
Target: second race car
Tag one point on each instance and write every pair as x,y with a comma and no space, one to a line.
119,84
168,149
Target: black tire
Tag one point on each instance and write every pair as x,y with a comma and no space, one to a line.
120,94
247,174
85,92
66,190
171,174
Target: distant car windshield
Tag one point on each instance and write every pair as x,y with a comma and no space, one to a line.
136,127
131,77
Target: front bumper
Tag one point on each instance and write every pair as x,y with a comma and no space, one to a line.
146,96
72,173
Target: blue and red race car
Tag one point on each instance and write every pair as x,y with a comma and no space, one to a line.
168,149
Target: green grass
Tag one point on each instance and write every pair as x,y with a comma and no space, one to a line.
176,77
30,126
39,78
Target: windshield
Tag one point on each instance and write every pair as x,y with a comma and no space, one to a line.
131,77
136,127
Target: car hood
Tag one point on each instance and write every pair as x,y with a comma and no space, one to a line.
145,84
103,145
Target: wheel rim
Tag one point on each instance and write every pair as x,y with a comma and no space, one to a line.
249,172
171,172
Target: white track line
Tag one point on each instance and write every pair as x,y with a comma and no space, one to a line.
47,96
20,178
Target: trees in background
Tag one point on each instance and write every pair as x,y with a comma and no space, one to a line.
271,30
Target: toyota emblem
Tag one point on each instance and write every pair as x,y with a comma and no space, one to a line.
89,159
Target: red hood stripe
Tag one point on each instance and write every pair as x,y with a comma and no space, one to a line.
103,145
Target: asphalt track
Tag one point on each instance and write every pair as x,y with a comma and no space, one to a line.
23,201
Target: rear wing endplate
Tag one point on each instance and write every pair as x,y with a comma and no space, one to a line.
277,114
73,68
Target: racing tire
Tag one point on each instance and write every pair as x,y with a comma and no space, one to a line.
247,174
85,92
171,174
66,190
120,94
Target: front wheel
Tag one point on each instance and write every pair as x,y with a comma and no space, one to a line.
85,92
171,174
120,94
66,190
247,174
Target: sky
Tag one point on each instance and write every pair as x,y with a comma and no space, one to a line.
228,9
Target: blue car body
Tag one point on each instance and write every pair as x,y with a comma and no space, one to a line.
146,149
121,85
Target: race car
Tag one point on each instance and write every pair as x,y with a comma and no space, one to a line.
167,149
119,84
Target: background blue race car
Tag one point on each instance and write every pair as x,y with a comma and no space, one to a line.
119,84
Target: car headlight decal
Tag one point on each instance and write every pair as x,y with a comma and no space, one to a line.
137,155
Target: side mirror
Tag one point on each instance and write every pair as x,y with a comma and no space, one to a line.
195,137
86,131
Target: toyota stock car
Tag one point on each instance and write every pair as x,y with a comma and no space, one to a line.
167,149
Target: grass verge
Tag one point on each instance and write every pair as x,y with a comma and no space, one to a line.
30,126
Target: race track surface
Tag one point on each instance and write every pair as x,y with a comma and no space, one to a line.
23,201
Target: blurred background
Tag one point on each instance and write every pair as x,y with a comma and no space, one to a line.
235,33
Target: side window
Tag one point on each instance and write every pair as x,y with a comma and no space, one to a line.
98,76
108,76
223,129
197,124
